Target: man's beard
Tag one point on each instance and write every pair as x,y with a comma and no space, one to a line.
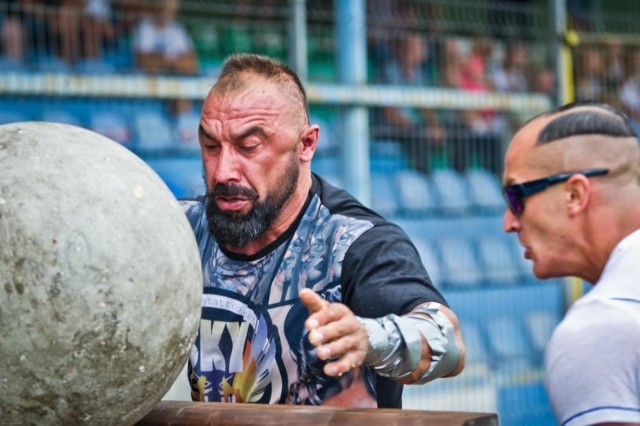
235,229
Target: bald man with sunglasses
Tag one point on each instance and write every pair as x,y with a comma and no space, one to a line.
572,185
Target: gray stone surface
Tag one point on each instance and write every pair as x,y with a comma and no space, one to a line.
100,280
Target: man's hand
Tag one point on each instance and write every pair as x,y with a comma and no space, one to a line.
335,332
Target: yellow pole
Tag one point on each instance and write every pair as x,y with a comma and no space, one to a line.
570,40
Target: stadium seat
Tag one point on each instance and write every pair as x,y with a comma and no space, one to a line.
386,156
12,116
477,356
60,116
540,325
484,191
415,194
524,404
96,66
183,176
428,254
383,194
327,144
326,165
508,344
111,124
525,266
451,190
152,130
186,128
52,64
11,65
460,267
499,264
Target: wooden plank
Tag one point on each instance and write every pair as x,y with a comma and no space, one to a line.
180,413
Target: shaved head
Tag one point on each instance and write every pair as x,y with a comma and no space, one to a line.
579,136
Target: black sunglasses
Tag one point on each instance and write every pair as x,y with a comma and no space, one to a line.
516,193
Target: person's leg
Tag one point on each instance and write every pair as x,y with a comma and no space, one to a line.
13,39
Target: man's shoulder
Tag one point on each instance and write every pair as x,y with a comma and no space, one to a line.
592,323
340,202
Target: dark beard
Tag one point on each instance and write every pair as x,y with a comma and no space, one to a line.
234,229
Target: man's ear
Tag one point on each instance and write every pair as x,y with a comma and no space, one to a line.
309,142
578,191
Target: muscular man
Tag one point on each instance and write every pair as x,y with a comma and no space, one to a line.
309,297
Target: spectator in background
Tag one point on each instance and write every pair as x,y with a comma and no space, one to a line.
12,34
511,17
485,125
590,74
543,80
26,28
387,21
418,129
83,27
98,27
630,90
162,44
614,64
512,75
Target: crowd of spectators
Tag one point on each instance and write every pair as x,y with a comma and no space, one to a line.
76,31
609,72
408,45
476,65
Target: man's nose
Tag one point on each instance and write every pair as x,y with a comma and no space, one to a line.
227,166
510,222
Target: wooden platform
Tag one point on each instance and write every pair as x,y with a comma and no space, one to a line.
176,413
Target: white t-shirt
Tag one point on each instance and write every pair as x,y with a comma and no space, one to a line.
171,40
593,358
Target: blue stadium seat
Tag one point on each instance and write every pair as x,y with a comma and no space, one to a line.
498,261
540,325
429,255
383,194
327,143
415,193
484,191
450,187
477,356
52,64
327,166
182,175
386,156
460,267
111,124
525,404
60,116
98,66
12,116
152,130
11,65
525,266
186,128
508,343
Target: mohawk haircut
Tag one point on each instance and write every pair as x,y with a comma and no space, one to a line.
596,119
236,65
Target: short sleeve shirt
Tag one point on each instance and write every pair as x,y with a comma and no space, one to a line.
593,358
252,345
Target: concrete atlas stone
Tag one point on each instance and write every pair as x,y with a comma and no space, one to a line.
100,280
